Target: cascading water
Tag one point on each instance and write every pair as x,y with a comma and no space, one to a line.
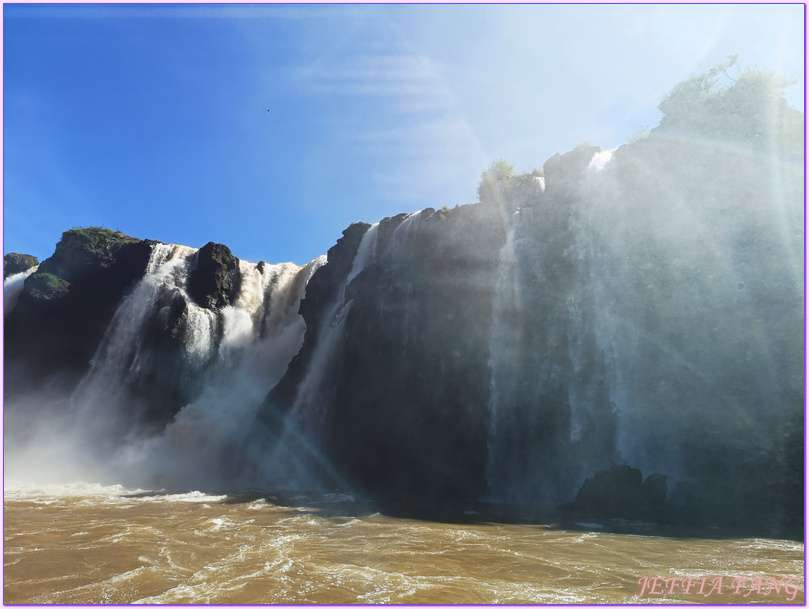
303,429
623,282
12,288
204,446
503,363
101,398
82,432
164,355
310,400
617,337
550,418
401,239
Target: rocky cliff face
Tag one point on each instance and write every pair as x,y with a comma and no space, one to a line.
621,307
67,309
14,263
616,311
407,381
66,306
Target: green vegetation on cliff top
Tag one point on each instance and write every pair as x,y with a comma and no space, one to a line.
99,240
14,262
79,250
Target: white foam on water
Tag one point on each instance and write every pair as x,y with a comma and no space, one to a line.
17,490
191,497
217,524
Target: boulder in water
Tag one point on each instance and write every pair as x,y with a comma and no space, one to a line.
621,492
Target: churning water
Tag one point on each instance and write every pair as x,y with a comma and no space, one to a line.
96,544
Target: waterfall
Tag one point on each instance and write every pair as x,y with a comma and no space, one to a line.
551,421
12,288
400,252
401,238
203,447
304,425
173,386
310,400
503,361
616,336
600,160
121,356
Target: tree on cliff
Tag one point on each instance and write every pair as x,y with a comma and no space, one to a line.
750,107
500,186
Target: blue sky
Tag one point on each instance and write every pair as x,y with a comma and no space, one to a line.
152,119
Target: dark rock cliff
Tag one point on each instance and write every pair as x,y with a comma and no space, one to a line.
621,492
617,311
66,306
631,306
409,388
14,263
215,282
320,291
411,382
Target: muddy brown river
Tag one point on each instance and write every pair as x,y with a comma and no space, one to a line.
86,543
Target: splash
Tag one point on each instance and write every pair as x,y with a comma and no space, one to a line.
203,446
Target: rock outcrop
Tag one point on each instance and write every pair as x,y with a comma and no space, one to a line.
215,282
620,492
615,312
66,306
410,386
14,263
602,315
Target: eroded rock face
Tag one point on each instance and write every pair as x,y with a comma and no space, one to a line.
216,281
320,292
624,309
14,263
511,349
66,306
405,398
409,418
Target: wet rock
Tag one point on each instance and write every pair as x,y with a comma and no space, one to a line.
320,292
216,281
66,306
620,492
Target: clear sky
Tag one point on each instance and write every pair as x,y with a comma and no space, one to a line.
153,119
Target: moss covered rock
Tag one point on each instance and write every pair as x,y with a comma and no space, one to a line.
14,263
216,281
67,304
47,286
